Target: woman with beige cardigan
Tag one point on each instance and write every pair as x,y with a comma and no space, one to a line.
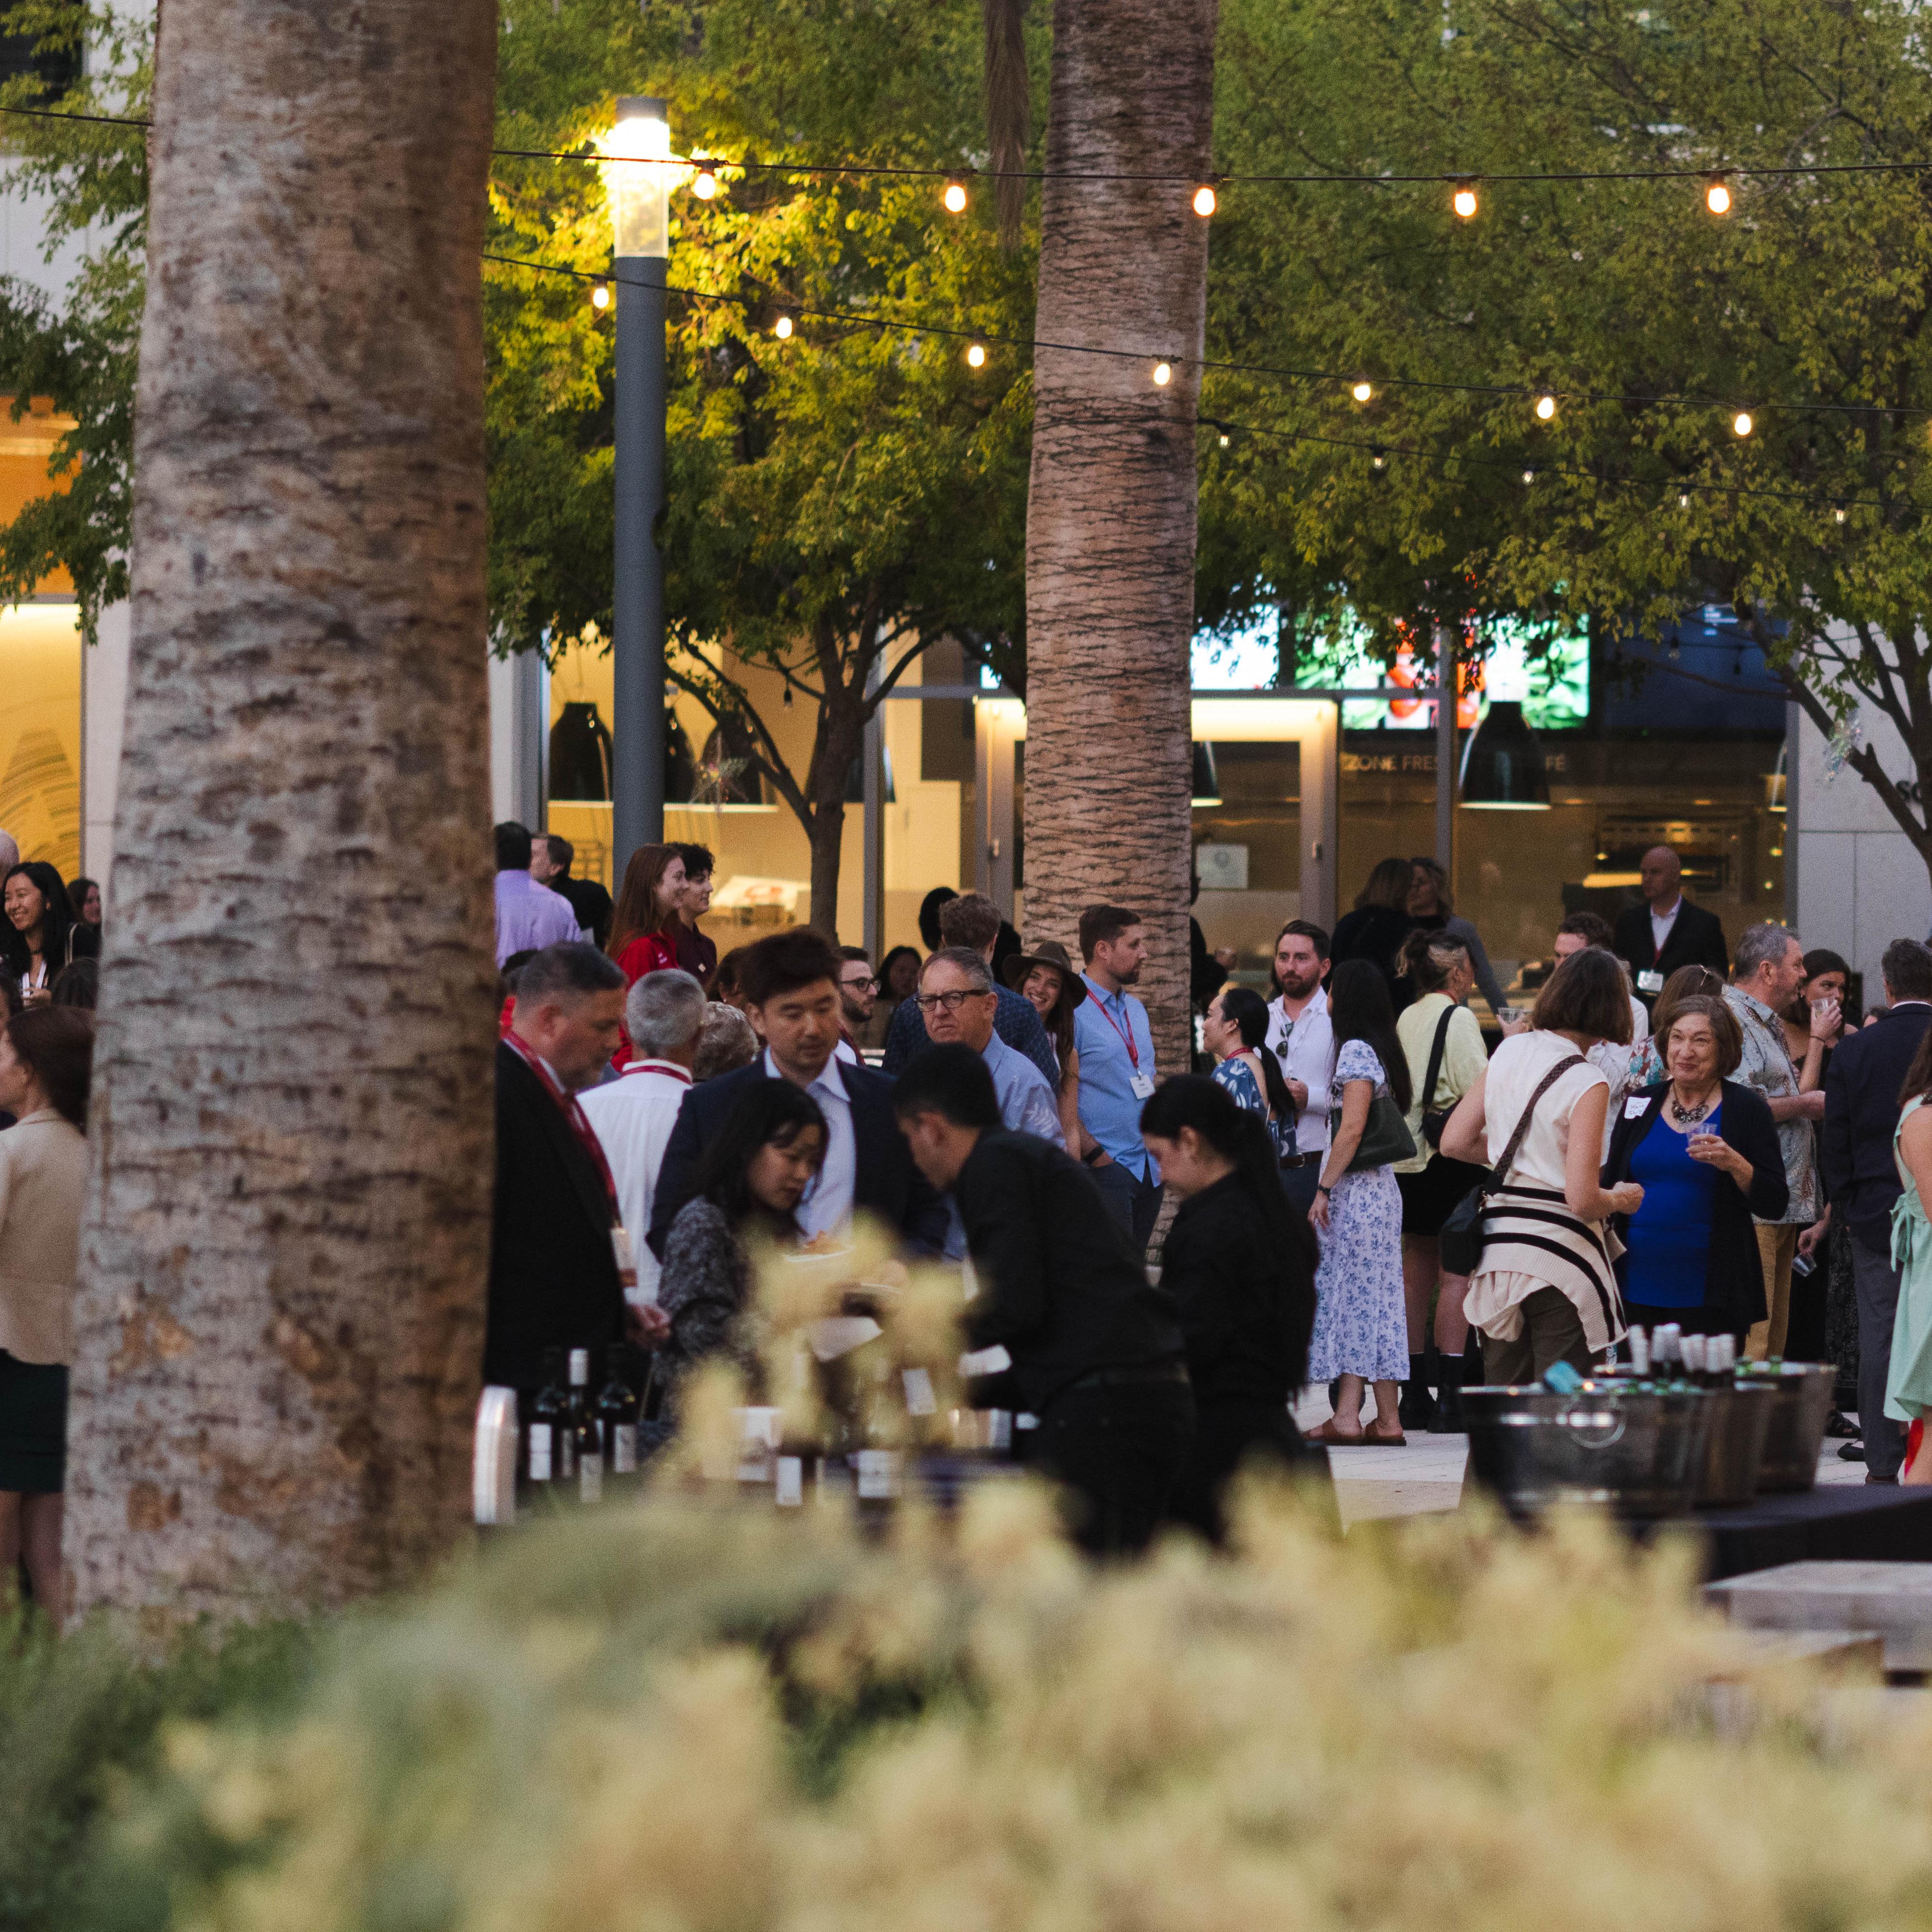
45,1055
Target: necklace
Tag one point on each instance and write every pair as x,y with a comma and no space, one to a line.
1688,1117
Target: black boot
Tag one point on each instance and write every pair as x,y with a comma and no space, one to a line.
1448,1419
1417,1407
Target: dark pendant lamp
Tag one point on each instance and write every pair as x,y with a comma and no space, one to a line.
1207,779
1502,763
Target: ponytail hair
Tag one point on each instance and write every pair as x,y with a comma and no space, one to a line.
1242,1007
1286,1246
1428,958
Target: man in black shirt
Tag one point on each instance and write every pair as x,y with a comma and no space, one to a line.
550,860
1096,1352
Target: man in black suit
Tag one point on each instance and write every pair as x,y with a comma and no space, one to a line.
557,1249
790,986
1861,1108
1667,931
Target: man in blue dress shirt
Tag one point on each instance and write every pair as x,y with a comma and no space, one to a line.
1117,1069
972,920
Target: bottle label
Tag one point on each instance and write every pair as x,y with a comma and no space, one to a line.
590,1479
878,1474
624,1449
539,1452
918,1392
790,1482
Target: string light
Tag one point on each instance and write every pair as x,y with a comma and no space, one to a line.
600,296
1378,459
1838,514
1740,423
976,356
781,328
1717,196
1464,202
1529,475
1224,439
1362,391
955,197
1683,499
1546,408
1204,200
1163,374
704,184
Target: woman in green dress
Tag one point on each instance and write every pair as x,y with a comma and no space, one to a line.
1908,1393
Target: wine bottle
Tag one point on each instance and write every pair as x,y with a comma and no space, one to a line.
586,1441
1639,1353
550,1418
617,1412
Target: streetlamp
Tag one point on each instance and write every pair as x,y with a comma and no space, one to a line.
638,185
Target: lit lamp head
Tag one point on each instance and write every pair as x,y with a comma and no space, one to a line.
638,182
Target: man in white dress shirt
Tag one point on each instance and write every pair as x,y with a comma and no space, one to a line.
633,1116
1302,1039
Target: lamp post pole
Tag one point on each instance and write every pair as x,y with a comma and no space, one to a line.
1445,748
639,197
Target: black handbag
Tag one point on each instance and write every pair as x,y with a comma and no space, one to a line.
1385,1137
1459,1243
1435,1119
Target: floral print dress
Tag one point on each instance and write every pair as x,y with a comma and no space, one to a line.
1361,1326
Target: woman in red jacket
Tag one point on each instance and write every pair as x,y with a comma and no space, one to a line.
641,940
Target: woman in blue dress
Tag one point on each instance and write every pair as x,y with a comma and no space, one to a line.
1361,1323
1234,1032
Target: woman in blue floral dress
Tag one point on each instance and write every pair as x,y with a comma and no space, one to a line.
1235,1032
1361,1328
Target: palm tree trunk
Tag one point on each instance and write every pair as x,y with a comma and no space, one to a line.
280,1323
1110,513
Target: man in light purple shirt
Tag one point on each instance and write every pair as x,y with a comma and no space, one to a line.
529,916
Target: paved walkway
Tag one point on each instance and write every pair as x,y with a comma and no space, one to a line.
1427,1473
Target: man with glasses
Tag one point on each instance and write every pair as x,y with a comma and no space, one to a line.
956,999
858,994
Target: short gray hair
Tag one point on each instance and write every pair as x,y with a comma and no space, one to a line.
979,974
725,1043
1762,945
664,1012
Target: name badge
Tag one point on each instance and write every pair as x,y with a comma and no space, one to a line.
1636,1107
1651,982
1143,1086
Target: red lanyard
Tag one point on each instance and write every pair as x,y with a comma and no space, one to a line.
668,1068
1126,1038
579,1123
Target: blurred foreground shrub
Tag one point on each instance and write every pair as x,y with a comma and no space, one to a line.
685,1719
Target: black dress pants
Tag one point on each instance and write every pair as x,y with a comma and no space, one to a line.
1226,1434
1116,1448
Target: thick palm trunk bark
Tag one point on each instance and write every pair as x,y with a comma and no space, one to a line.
279,1323
1111,515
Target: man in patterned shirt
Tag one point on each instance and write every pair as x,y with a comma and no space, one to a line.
1770,972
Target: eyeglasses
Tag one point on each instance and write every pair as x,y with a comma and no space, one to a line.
864,985
952,1002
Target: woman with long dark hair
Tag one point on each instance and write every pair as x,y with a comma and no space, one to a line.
1235,1032
46,1057
1046,978
1376,928
1361,1333
1240,1262
750,1183
38,934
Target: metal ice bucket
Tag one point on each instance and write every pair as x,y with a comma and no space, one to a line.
1801,1406
1639,1454
1731,1470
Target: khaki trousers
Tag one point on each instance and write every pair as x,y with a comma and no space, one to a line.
1776,1247
1553,1331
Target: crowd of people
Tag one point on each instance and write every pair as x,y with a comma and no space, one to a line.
1347,1184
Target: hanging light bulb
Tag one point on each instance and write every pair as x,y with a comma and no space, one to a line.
1717,196
1362,391
955,197
1163,374
1463,201
787,695
1224,439
781,328
1378,460
1683,499
600,296
704,183
1204,200
1546,408
1529,475
1838,514
976,356
1740,423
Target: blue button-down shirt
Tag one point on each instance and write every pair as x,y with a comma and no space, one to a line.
1027,1104
1110,1109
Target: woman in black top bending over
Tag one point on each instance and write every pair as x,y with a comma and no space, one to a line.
1239,1261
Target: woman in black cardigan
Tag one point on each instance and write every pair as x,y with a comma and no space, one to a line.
1704,1150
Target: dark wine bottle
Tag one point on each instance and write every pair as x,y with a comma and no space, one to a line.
617,1412
549,1419
586,1442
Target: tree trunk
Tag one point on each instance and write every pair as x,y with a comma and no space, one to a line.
279,1324
1111,512
840,738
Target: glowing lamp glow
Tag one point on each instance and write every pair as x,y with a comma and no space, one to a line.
1529,475
1464,202
600,296
637,180
976,356
1718,198
1546,408
1740,423
1204,201
781,328
1838,514
705,185
1163,374
955,198
1362,391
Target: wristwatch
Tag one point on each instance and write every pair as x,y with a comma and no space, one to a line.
1092,1155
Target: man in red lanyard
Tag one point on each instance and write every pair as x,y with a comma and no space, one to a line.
559,1252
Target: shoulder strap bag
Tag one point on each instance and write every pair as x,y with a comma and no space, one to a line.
1460,1242
1435,1119
1385,1137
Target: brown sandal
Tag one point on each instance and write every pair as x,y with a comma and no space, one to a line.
1397,1440
1328,1433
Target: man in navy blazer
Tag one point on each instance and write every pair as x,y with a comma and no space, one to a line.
1861,1108
791,984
